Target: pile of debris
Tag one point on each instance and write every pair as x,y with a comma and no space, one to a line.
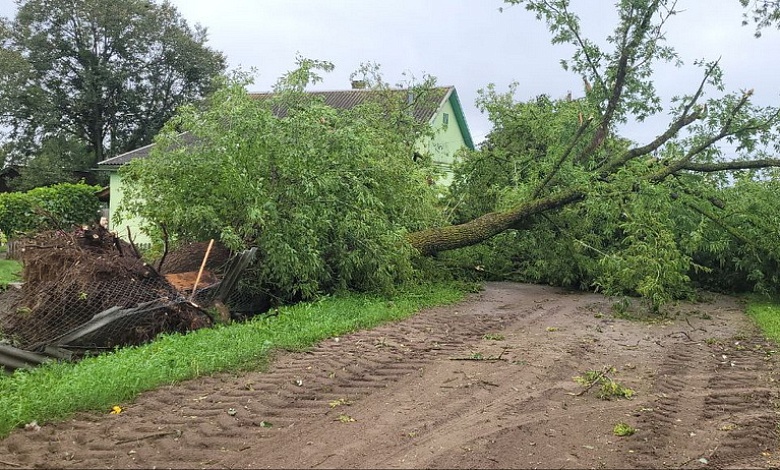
88,290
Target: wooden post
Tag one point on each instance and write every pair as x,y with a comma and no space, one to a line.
202,267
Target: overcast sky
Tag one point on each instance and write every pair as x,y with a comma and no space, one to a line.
468,44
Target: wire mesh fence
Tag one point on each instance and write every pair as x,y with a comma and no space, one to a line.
89,292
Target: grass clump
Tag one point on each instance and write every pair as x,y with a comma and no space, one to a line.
494,337
623,430
766,314
55,391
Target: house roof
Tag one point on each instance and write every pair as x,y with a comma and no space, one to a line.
348,99
142,152
423,111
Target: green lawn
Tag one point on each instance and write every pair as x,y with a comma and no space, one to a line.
55,391
9,272
766,314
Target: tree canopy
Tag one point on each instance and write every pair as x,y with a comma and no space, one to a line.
327,195
596,210
102,75
763,13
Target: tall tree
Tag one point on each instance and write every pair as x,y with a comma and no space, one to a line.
108,73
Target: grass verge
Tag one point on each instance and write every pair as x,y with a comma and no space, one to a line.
9,272
55,391
766,314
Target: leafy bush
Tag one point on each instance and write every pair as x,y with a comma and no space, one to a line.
57,206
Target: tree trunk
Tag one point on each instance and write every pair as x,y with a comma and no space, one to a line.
437,239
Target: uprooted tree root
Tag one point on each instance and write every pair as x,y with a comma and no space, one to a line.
71,277
189,257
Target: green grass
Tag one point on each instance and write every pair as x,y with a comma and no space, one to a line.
766,314
9,272
55,391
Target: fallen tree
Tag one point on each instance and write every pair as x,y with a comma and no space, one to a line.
333,200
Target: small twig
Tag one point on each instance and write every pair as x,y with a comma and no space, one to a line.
322,461
594,382
695,459
681,333
694,329
480,359
597,379
502,353
156,435
10,463
138,254
132,243
118,246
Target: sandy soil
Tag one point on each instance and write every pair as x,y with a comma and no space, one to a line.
484,384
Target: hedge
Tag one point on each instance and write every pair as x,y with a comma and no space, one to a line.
59,206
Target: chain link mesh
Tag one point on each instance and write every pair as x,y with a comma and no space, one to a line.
85,292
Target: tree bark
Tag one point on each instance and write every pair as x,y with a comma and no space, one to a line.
437,239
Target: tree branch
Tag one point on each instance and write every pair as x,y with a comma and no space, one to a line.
581,43
728,228
684,120
482,228
580,132
725,131
673,129
627,50
731,166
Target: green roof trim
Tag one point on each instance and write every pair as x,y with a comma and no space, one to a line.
461,118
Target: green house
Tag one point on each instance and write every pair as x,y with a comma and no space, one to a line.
444,113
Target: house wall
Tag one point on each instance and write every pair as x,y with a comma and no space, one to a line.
117,194
446,141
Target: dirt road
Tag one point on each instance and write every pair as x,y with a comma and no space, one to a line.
484,384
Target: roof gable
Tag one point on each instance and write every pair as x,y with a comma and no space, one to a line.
460,118
187,139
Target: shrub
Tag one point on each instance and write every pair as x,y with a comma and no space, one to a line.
57,206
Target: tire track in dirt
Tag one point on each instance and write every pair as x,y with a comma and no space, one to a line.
436,391
668,424
742,402
713,408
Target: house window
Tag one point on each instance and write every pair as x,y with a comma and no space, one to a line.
445,119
